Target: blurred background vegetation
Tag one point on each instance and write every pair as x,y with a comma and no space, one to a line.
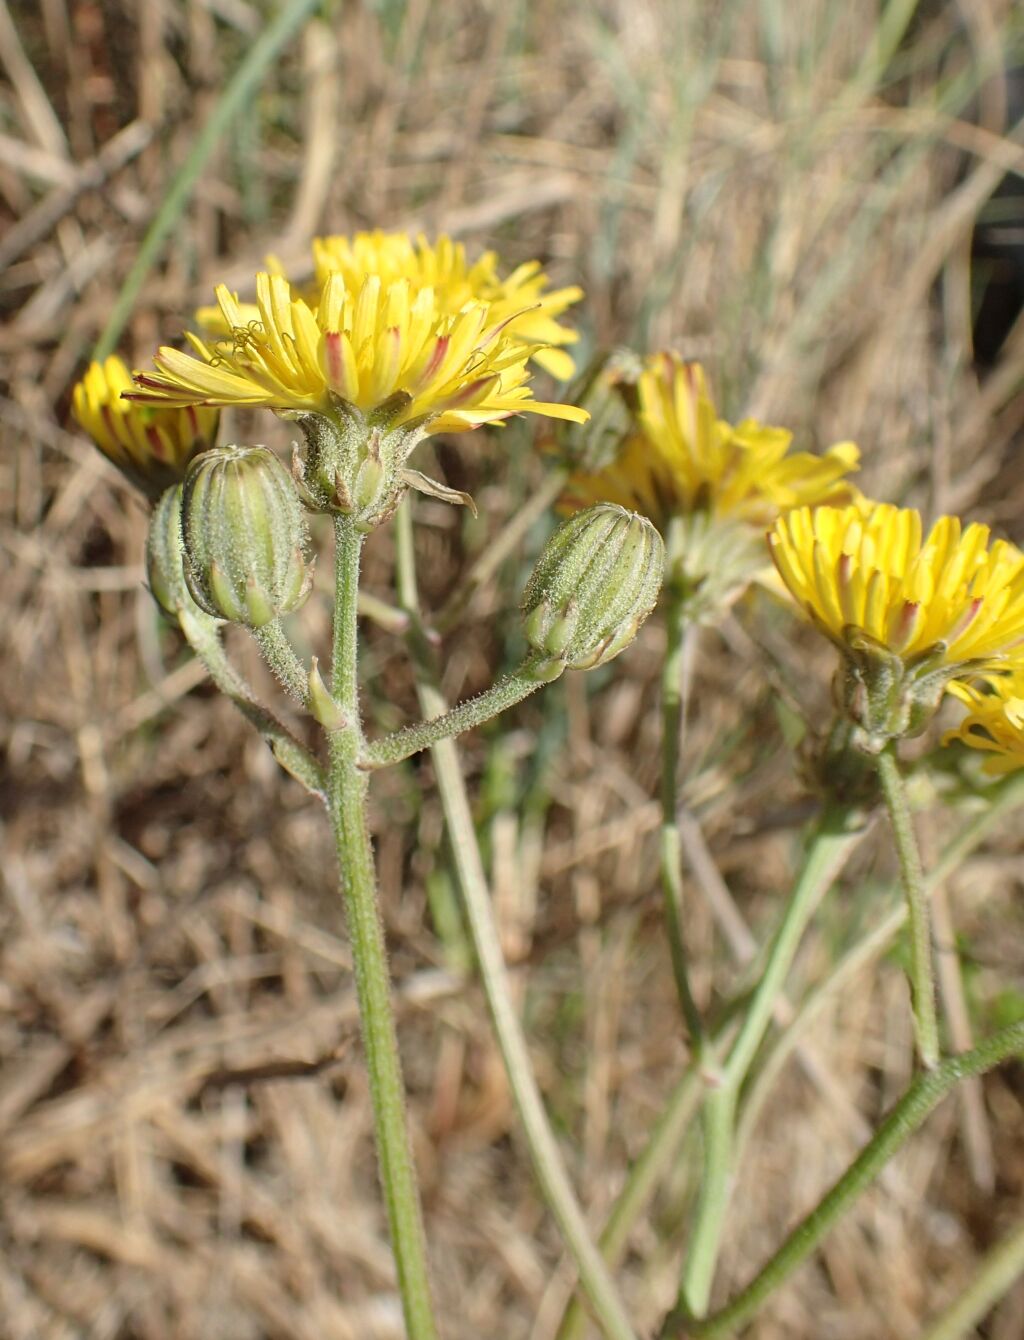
788,190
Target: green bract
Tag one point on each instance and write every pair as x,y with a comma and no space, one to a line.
596,581
244,536
164,557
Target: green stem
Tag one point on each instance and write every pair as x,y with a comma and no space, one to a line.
643,1179
238,90
827,852
999,1268
718,1120
663,1144
547,1159
922,983
828,849
910,1112
856,958
281,656
672,723
498,698
347,788
203,636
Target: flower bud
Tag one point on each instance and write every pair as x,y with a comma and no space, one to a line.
151,446
596,581
164,556
244,536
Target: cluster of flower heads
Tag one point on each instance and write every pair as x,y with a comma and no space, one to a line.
387,318
421,337
914,616
682,458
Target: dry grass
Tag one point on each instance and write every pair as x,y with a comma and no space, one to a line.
185,1137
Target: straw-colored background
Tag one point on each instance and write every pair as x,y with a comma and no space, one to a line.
785,189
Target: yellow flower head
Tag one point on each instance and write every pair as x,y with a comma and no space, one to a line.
868,573
151,446
381,343
686,459
519,301
994,720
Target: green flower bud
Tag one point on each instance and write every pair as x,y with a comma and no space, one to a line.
354,463
164,557
596,581
244,536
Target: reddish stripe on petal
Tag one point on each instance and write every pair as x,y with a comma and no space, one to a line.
470,392
492,332
966,619
334,361
843,569
907,622
156,442
436,358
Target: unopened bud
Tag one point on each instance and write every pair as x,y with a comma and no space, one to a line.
164,557
244,536
149,445
596,581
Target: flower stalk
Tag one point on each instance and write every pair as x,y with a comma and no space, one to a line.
203,636
827,851
282,659
917,1104
346,799
922,979
547,1160
680,635
511,689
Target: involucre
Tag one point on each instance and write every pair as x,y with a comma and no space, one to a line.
244,536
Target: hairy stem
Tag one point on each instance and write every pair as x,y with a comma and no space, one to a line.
910,1112
666,1139
498,698
281,656
203,636
547,1159
347,788
922,982
827,852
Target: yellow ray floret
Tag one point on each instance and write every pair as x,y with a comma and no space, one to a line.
868,570
686,459
994,720
519,299
364,345
151,446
